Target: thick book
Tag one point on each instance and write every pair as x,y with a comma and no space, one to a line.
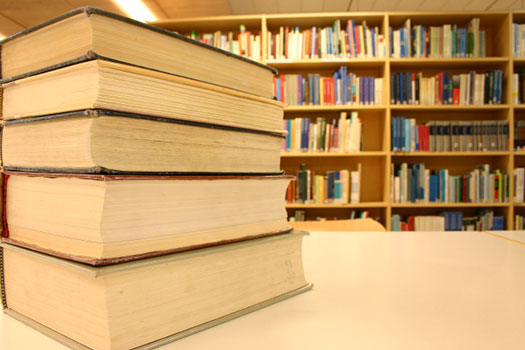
88,33
147,303
106,219
103,141
115,86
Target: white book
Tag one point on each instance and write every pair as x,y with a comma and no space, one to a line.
355,185
397,44
397,189
355,133
345,178
378,93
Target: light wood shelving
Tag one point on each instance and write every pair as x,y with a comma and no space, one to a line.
377,158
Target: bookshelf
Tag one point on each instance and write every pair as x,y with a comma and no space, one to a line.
376,158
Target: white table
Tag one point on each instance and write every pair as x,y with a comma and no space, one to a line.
518,236
389,290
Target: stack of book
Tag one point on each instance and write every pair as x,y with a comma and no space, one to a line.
139,208
445,41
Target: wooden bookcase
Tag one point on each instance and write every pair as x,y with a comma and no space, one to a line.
377,157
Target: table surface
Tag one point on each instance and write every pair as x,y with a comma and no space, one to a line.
376,290
518,236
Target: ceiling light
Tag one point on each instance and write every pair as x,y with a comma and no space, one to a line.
136,10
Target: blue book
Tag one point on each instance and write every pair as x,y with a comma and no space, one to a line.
373,32
402,135
497,223
401,42
278,88
342,84
329,40
371,87
432,188
401,88
442,185
408,135
408,87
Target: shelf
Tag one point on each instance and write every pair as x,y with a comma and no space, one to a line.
520,107
448,62
335,108
519,205
449,205
332,206
448,107
332,154
519,153
451,154
327,63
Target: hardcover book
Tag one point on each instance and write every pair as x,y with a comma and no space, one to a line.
107,219
103,141
89,33
115,86
147,303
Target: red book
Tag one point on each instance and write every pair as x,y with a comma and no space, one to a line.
427,138
411,224
496,187
455,96
413,89
404,226
357,42
332,91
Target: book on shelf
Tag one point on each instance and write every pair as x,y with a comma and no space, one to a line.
342,88
444,88
446,41
107,141
104,219
244,43
147,303
518,86
89,33
115,86
449,221
419,184
331,42
449,136
518,40
332,187
519,135
340,135
519,185
519,222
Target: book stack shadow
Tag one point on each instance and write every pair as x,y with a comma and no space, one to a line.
143,199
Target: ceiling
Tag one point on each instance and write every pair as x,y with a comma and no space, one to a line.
16,15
